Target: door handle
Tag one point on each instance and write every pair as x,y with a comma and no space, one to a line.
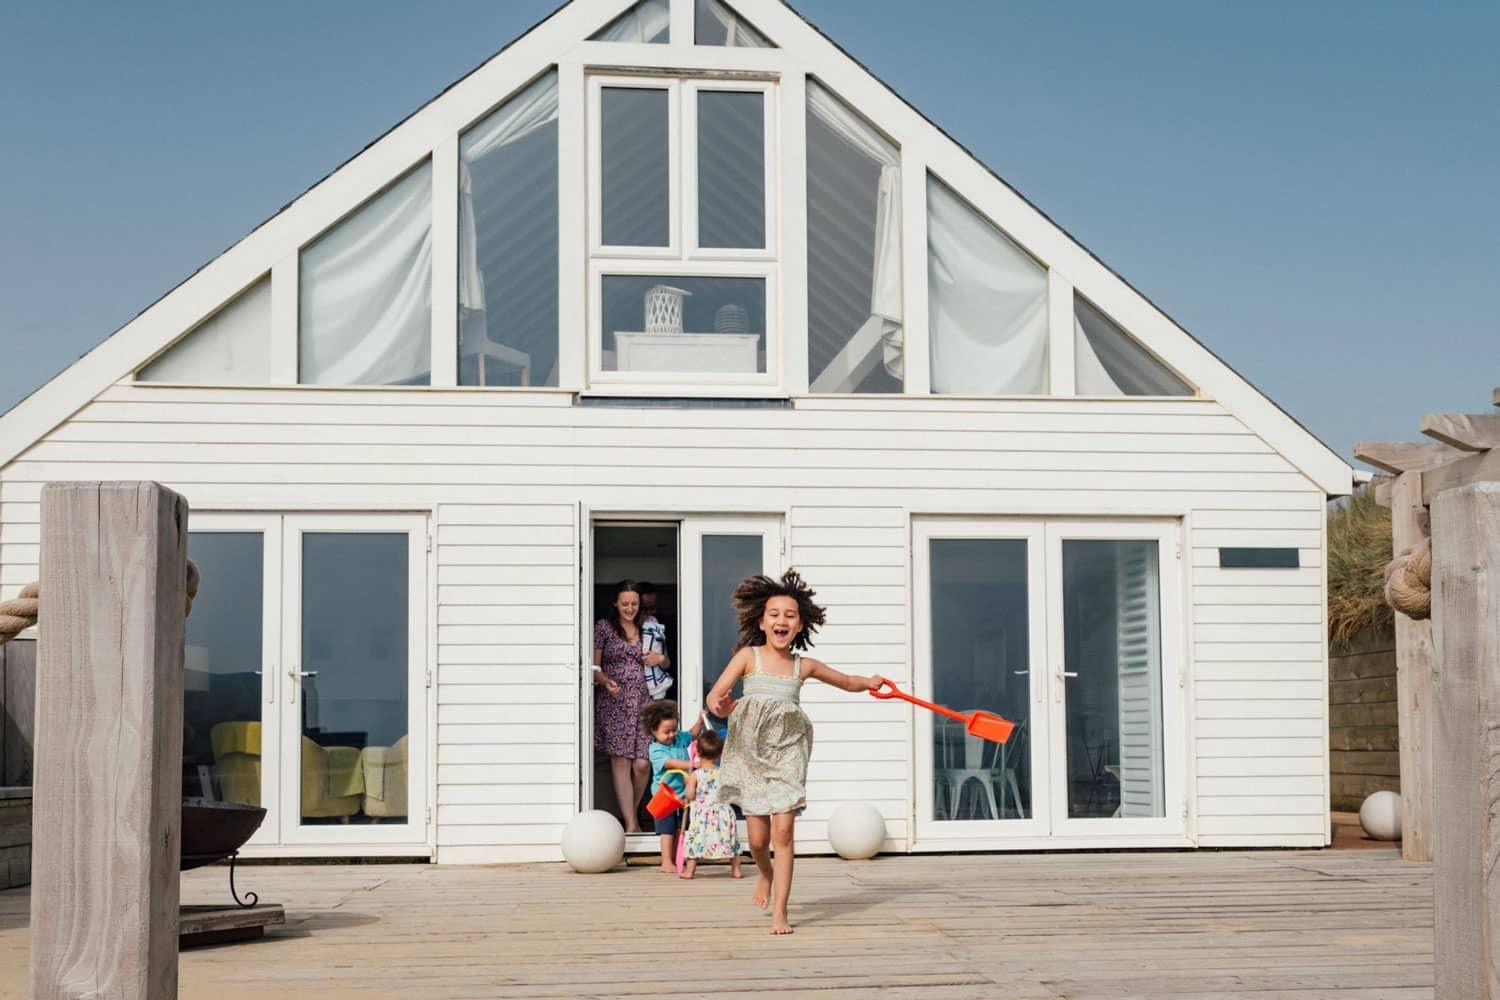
296,676
270,687
1057,689
1068,673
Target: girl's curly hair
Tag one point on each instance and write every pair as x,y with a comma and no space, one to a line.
750,599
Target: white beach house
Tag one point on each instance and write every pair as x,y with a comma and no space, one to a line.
678,291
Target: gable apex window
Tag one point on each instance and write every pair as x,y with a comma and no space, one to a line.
715,23
987,304
230,347
648,22
683,243
1110,362
365,292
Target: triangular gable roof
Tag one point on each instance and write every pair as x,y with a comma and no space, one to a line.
557,40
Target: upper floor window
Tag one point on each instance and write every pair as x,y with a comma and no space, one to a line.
855,339
508,251
987,304
365,292
682,231
231,347
1110,362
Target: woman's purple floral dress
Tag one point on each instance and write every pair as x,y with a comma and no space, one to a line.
617,718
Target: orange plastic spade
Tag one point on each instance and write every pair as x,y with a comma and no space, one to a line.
985,725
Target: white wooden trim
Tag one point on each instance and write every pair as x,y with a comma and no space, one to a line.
572,222
680,18
285,292
793,232
916,354
445,262
1061,370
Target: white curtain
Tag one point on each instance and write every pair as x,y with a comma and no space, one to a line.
737,31
1108,361
987,304
531,109
231,347
365,292
642,23
885,291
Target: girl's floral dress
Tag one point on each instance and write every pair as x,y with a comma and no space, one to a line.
711,831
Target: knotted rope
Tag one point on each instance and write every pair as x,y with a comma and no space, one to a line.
1408,581
20,613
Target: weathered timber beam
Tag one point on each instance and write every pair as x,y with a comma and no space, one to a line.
1397,457
1483,467
1383,494
1495,396
1467,431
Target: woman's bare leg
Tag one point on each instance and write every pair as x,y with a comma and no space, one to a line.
640,779
783,839
620,770
759,828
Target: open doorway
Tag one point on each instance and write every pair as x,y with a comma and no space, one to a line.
646,553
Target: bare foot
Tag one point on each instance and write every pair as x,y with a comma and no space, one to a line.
762,895
779,924
669,869
684,874
736,873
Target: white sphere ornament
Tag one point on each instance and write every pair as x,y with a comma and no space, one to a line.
1381,816
856,830
593,842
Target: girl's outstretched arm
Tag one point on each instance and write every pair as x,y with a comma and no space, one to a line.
718,699
848,682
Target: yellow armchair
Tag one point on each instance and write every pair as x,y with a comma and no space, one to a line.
236,750
333,782
385,780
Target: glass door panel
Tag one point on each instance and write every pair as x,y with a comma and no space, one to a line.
978,640
1111,719
717,553
355,671
229,715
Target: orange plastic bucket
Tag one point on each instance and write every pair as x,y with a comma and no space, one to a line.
666,801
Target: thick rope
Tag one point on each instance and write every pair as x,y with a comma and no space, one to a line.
20,613
1408,581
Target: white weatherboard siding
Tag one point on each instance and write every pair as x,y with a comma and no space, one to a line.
502,475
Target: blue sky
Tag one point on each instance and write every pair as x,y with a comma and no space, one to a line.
1308,188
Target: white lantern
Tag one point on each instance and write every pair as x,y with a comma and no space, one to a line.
593,842
1380,815
664,308
856,830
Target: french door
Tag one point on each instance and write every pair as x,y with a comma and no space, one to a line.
322,619
1069,629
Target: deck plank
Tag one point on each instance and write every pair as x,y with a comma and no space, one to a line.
1264,925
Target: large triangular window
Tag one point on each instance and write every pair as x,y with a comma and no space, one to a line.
1109,362
648,22
231,347
715,23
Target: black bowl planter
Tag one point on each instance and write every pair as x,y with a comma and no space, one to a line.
212,831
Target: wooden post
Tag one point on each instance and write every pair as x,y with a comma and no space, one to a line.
1466,741
108,771
1413,684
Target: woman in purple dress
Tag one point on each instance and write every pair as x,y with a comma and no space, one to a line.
619,696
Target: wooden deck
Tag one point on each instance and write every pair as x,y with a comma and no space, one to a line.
1263,925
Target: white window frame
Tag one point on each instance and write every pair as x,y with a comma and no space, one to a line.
683,257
